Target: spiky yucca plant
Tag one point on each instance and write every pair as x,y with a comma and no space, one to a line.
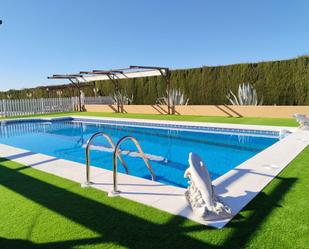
246,96
176,97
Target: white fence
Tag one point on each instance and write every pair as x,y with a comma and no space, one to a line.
104,100
20,107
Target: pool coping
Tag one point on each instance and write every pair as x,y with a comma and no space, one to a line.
236,188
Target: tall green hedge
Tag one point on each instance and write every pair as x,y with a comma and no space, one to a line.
283,82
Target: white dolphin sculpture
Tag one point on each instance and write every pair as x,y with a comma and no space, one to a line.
200,193
303,120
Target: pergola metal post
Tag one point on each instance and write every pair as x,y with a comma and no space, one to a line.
117,88
79,92
167,77
168,89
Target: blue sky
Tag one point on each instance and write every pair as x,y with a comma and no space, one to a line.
39,38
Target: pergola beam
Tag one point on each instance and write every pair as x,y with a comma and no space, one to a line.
148,67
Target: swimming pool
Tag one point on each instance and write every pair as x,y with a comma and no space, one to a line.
167,145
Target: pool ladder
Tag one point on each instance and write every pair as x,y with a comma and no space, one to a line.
116,155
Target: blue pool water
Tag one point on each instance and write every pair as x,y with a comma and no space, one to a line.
170,145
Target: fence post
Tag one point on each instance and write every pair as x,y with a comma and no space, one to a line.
4,107
42,105
7,107
73,103
13,101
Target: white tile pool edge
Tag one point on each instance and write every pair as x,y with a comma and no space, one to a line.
168,122
236,188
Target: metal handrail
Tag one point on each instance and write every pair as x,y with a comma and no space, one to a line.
108,138
115,164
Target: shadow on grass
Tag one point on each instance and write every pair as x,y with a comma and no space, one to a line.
260,209
127,230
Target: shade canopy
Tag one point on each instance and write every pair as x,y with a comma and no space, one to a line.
116,75
97,75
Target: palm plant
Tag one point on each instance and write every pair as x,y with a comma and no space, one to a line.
246,96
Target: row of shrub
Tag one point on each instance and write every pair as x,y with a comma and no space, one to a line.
283,82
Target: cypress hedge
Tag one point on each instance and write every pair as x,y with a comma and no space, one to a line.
284,82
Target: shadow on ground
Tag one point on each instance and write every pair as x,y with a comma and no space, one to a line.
124,229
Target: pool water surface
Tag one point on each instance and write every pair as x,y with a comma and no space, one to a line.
167,147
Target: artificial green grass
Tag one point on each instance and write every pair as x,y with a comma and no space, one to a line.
212,119
39,210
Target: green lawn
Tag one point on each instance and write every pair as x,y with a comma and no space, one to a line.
230,120
39,210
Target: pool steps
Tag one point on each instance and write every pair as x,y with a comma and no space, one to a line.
116,155
88,144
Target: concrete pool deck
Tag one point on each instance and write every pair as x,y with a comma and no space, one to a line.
236,188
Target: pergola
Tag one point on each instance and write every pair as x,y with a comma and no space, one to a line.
75,80
116,75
